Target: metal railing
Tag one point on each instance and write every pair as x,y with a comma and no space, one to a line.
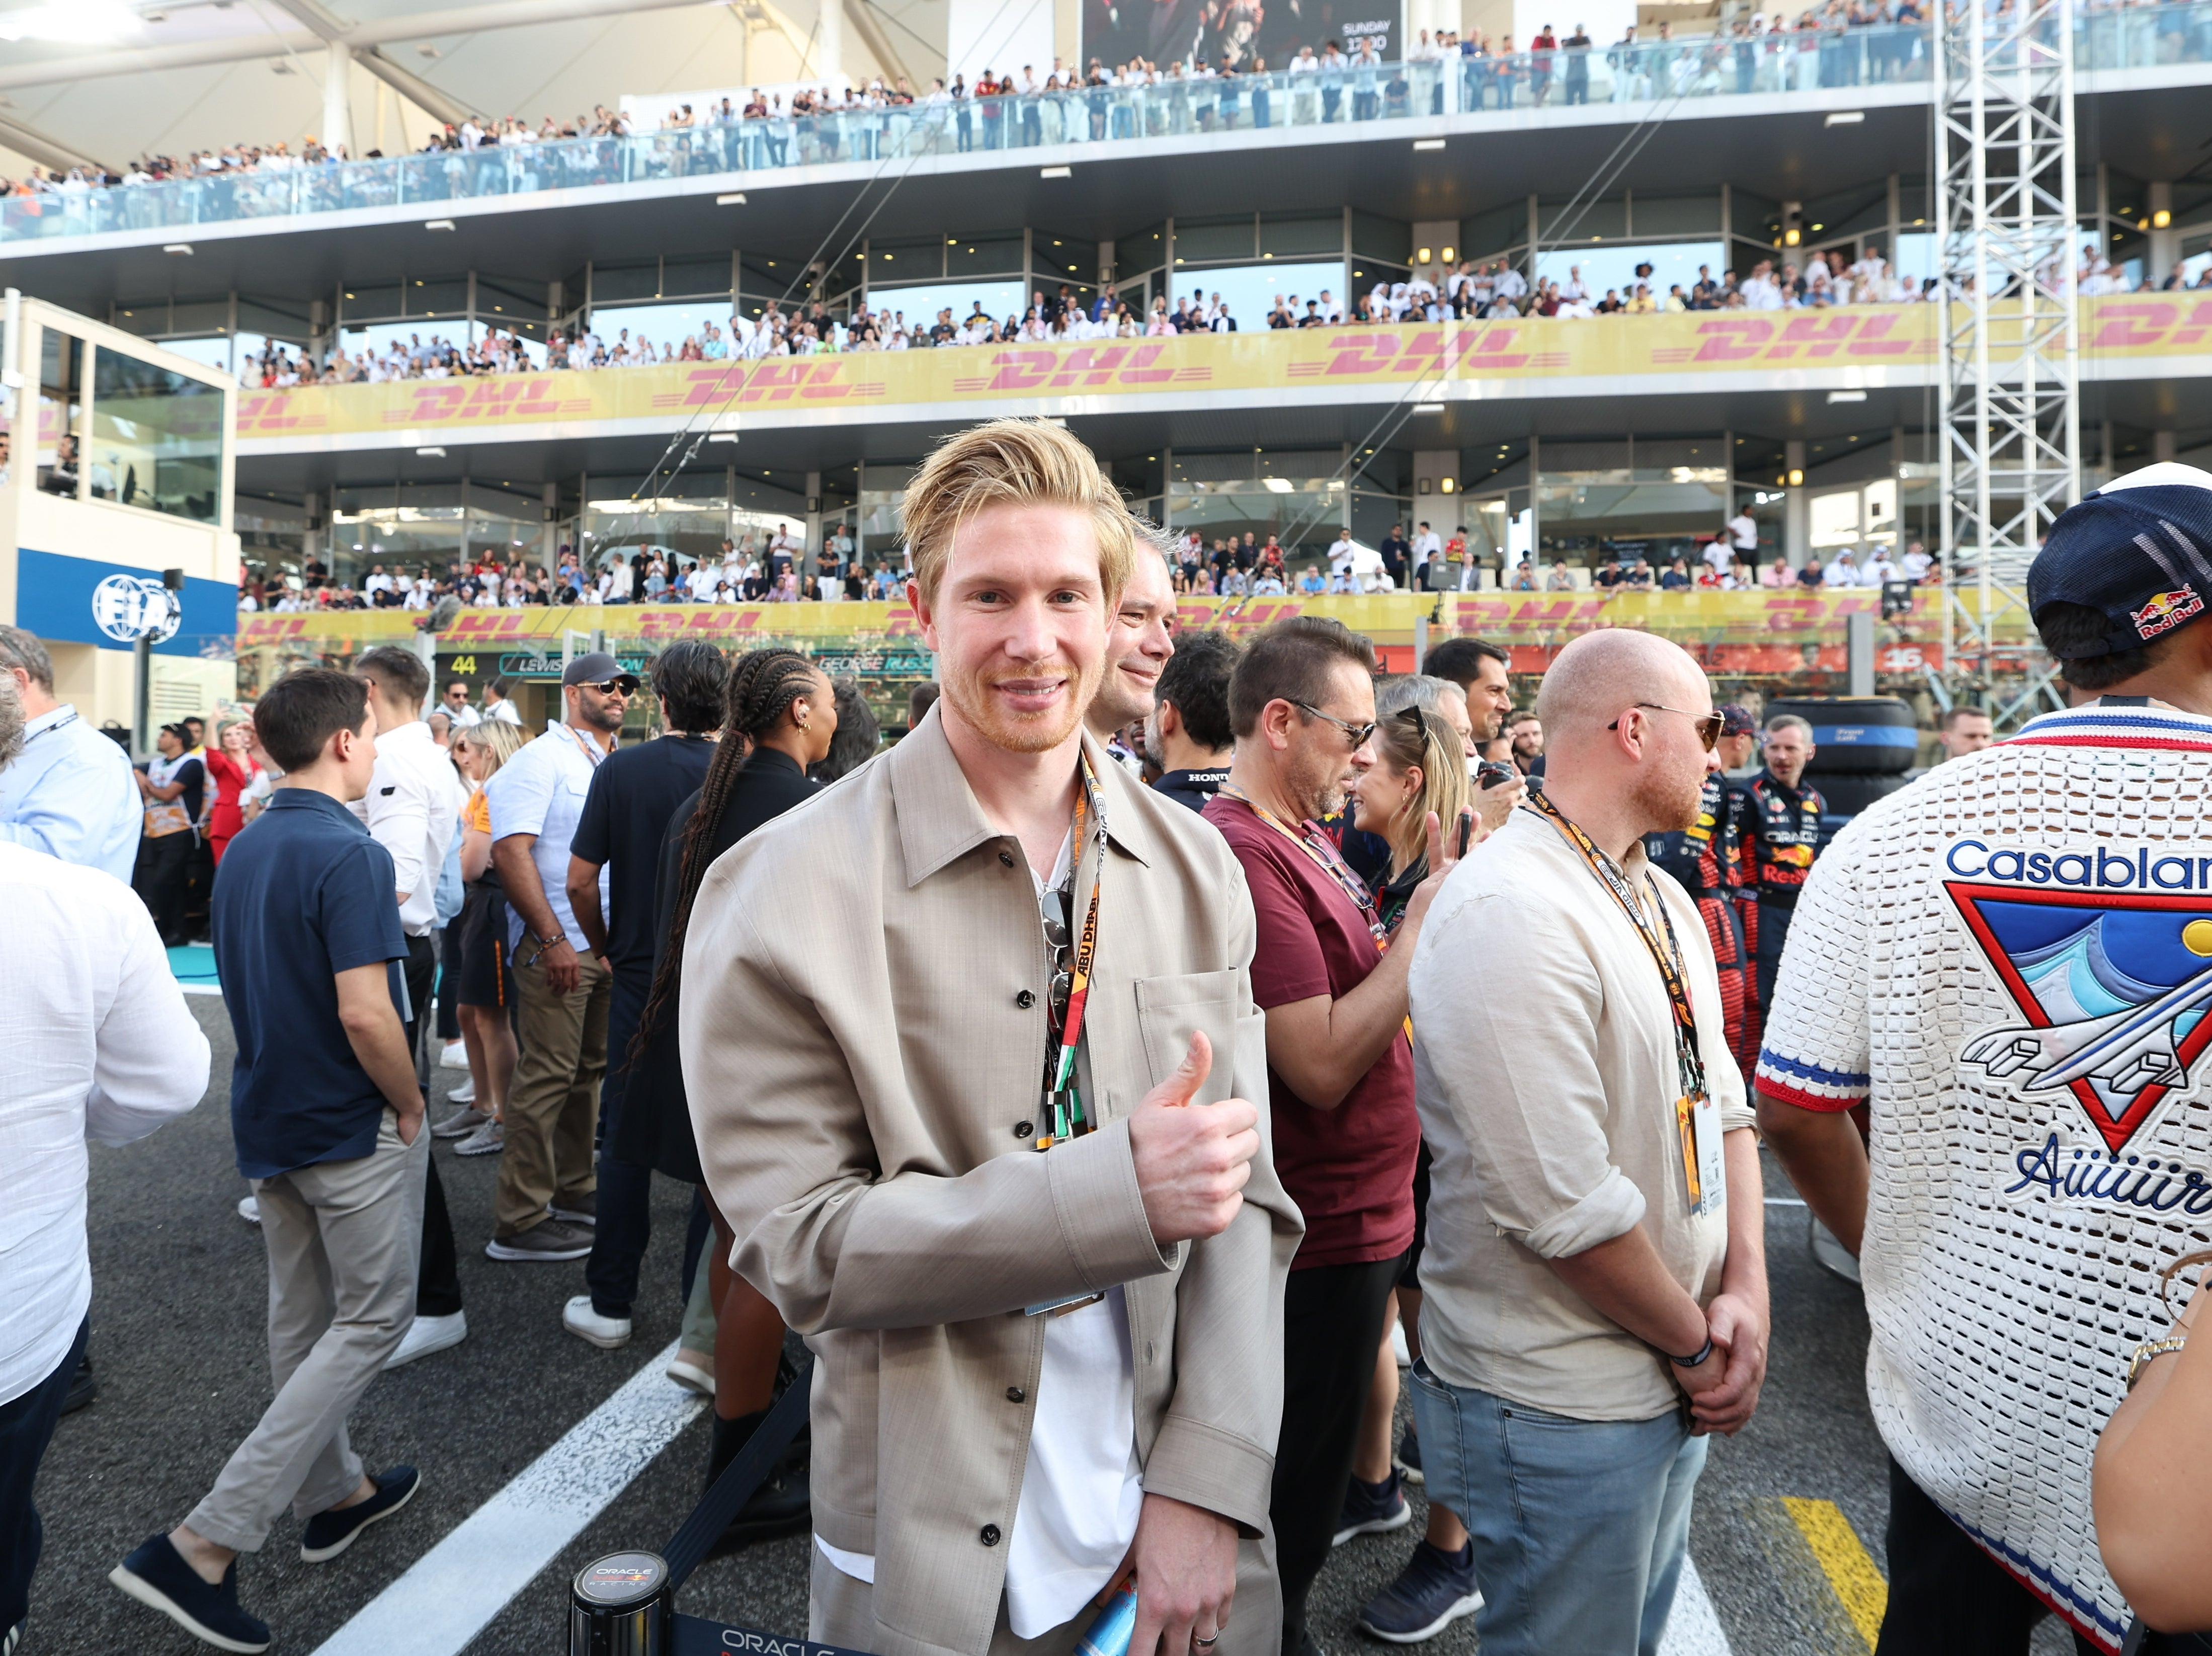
1357,93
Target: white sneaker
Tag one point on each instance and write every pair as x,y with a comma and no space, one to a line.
463,1094
453,1055
693,1372
430,1334
606,1332
249,1209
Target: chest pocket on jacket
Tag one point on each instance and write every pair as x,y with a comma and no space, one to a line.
1169,1009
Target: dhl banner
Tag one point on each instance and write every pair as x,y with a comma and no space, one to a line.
1612,347
1778,627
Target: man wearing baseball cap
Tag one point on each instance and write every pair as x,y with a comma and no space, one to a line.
548,1200
1998,962
1707,859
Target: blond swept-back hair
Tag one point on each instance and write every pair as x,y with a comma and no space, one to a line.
1013,463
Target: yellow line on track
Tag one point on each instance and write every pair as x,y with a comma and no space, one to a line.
1843,1559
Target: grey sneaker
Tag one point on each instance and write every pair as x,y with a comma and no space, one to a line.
460,1123
488,1140
577,1209
549,1238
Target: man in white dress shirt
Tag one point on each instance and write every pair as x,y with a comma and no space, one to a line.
413,810
101,1045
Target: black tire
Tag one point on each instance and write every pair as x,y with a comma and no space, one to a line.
1847,796
1855,735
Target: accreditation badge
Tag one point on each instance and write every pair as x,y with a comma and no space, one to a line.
1704,1168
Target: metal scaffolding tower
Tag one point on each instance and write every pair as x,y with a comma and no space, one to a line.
2011,443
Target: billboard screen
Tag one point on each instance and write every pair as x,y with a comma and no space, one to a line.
1233,33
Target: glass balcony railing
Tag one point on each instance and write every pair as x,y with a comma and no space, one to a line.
1715,66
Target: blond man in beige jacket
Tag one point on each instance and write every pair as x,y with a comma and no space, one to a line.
1032,1368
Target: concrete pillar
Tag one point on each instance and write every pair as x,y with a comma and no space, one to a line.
2161,446
829,45
813,512
549,548
2165,243
337,99
1796,511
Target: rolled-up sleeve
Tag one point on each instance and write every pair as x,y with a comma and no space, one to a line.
1514,1058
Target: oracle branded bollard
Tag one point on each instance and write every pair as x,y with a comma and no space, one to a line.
621,1606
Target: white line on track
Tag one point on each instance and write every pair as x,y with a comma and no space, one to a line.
453,1590
1693,1629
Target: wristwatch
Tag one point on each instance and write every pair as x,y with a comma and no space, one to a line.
2148,1352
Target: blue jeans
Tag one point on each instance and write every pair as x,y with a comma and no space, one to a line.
1580,1527
27,1425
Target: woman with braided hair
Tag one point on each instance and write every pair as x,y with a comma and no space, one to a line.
781,712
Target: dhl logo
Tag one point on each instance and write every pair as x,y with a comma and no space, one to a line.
730,620
1419,350
274,410
1845,335
2140,324
1045,368
802,379
477,626
263,630
519,398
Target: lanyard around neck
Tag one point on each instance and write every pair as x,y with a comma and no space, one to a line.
1667,957
1064,1100
1325,857
592,751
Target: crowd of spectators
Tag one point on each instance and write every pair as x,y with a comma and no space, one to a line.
1472,289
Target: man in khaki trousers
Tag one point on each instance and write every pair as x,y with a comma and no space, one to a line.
976,1075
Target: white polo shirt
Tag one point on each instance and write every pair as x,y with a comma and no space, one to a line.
541,791
1993,959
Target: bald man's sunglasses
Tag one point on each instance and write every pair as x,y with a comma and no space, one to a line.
1708,724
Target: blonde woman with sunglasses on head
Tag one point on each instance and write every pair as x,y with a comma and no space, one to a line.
1419,771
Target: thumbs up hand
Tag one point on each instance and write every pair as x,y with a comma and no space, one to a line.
1192,1159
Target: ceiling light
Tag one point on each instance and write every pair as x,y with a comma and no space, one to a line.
1420,144
1278,486
735,198
427,50
2161,219
1846,118
1428,408
1055,171
437,224
1847,396
1796,478
183,248
430,453
721,436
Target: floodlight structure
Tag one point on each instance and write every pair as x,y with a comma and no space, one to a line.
2011,442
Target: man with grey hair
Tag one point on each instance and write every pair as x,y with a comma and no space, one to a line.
101,1046
68,791
1594,1258
1781,838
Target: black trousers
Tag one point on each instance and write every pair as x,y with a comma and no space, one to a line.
1773,934
1332,1328
27,1425
163,868
437,1279
625,1216
449,981
1947,1597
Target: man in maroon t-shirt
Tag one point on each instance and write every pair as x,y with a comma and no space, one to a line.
1339,1069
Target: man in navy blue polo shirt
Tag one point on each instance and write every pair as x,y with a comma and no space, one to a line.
328,1124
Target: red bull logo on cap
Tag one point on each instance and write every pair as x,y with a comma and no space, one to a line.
2167,611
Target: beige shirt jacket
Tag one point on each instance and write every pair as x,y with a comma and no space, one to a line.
1544,1066
863,1031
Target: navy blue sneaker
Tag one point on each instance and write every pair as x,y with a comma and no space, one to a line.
1408,1458
1372,1509
330,1533
157,1575
1434,1591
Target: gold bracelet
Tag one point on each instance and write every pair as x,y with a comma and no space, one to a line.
2148,1352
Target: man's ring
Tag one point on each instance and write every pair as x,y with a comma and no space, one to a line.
1197,1643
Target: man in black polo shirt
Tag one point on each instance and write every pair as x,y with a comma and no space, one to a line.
1187,734
328,1124
625,818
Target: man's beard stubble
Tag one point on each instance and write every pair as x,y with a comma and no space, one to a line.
971,696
